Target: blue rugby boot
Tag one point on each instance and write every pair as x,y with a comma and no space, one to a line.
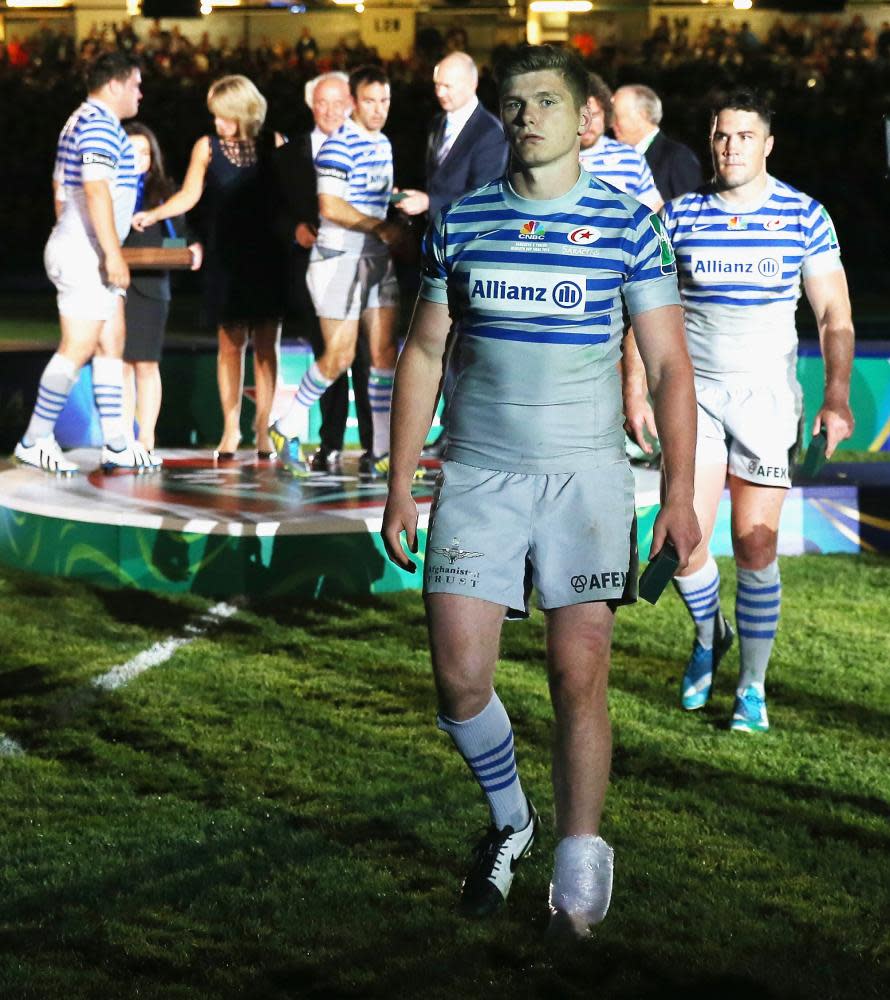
698,679
749,712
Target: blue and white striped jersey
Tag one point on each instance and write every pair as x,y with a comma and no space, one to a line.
356,167
740,276
623,167
94,147
535,289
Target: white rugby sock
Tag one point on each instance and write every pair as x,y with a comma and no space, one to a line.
55,386
380,397
700,592
757,605
311,389
108,393
486,744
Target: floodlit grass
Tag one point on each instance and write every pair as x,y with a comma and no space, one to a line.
273,814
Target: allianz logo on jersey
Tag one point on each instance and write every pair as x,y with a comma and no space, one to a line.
526,291
736,267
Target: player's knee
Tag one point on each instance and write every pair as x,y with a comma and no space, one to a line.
756,549
461,693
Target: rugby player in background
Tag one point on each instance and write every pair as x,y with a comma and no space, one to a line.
743,244
533,269
94,182
351,276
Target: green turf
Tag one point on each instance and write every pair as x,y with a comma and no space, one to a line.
272,813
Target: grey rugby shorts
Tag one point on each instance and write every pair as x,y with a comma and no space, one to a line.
753,429
495,535
342,287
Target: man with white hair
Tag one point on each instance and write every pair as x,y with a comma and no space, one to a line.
466,148
614,162
637,114
327,95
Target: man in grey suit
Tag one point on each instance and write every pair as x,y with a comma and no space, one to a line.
637,111
466,149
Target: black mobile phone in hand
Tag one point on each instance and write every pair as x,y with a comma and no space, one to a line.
815,456
660,571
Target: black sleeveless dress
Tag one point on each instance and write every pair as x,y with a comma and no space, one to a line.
245,263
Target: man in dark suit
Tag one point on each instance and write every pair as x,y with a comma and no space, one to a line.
466,149
328,97
637,115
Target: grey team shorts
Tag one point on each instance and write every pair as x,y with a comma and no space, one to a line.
752,429
343,287
571,536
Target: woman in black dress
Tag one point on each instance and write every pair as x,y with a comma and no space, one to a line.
148,297
233,175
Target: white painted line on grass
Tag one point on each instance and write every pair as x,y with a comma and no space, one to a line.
9,747
161,651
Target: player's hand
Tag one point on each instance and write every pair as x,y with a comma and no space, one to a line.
415,202
676,521
390,232
400,515
639,419
305,235
116,271
142,220
197,252
837,419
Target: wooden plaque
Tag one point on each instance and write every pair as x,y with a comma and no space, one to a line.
157,258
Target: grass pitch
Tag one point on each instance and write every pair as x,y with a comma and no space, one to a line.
271,813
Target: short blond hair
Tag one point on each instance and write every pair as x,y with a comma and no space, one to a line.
236,98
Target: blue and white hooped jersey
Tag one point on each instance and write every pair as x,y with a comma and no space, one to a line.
535,289
623,167
94,147
356,167
740,275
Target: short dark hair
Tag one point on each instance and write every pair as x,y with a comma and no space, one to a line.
743,99
599,90
115,65
364,75
535,58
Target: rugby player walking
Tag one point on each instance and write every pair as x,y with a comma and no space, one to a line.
95,182
743,243
533,268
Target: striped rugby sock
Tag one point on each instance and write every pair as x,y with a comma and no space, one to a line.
55,386
486,744
309,391
108,394
700,592
380,398
757,606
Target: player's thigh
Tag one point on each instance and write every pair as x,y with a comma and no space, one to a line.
465,637
114,331
478,536
584,540
579,643
708,485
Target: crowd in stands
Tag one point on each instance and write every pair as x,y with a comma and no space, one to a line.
829,79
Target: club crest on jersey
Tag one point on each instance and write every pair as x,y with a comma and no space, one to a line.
773,225
584,235
531,230
668,261
736,224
